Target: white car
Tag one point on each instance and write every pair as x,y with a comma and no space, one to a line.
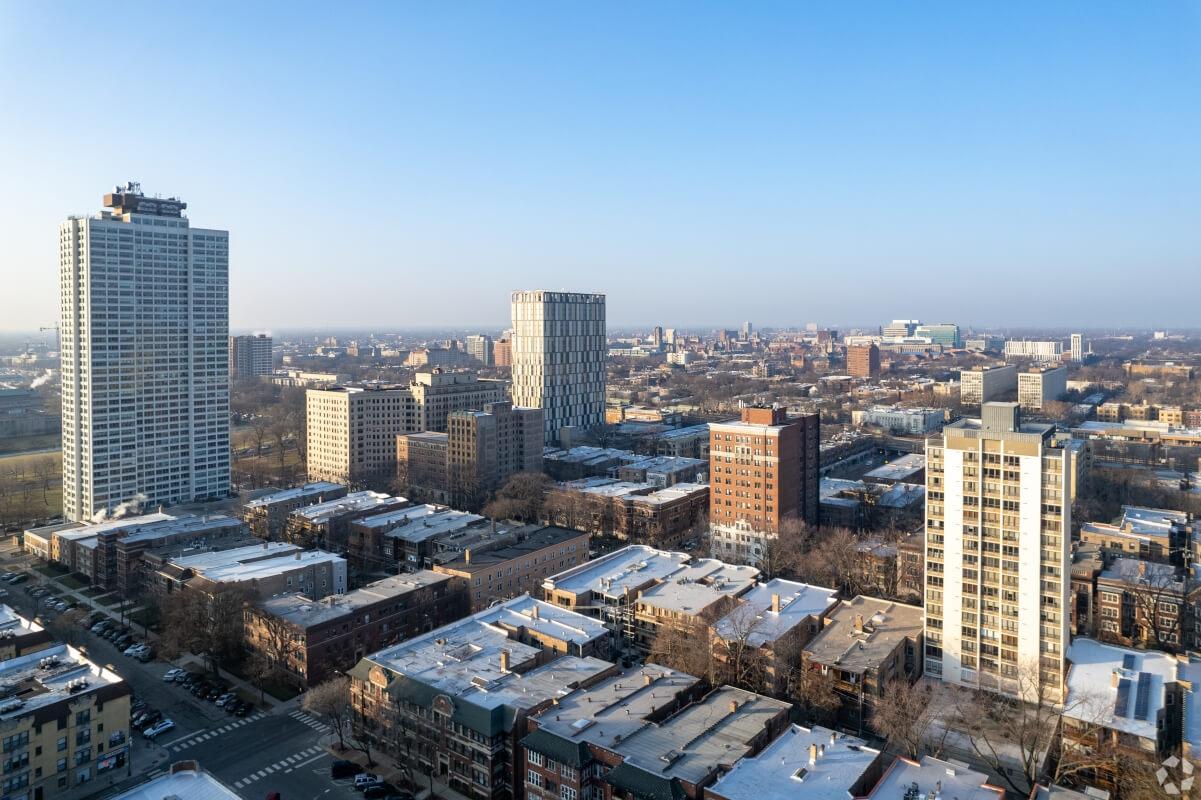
158,728
174,674
365,779
134,649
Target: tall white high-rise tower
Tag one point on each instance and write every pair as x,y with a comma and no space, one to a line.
145,356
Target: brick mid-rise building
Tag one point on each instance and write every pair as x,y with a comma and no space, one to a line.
763,469
307,640
863,360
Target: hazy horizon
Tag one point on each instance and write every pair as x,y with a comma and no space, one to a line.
407,166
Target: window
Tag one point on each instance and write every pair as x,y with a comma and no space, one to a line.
567,793
534,778
536,758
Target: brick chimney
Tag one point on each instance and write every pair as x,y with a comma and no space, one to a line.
775,604
504,660
859,623
813,754
467,555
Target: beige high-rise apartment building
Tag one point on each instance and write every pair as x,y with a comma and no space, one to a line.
559,350
352,430
487,447
999,496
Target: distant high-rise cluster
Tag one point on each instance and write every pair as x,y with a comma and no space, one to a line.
559,350
145,356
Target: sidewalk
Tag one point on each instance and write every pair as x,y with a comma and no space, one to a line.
393,773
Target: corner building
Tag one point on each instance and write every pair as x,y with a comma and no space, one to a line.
144,328
998,553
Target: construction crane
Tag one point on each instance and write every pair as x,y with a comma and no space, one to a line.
58,342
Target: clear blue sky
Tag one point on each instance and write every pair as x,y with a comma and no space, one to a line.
702,163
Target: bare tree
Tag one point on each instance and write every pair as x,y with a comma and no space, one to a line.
1013,733
520,498
273,644
816,691
911,715
684,647
208,625
740,658
1158,594
331,700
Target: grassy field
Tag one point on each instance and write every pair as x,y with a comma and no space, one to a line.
26,443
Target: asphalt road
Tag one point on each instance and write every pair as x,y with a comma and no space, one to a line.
276,750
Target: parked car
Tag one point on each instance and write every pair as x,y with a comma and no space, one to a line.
365,779
158,729
19,578
145,655
225,698
344,769
146,717
244,709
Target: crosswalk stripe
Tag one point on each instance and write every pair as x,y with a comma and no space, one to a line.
237,784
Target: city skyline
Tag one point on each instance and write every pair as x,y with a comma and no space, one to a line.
952,159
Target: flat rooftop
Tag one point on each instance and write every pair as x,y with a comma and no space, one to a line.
586,455
10,620
46,677
86,530
463,659
860,633
419,523
935,778
667,464
300,492
696,741
613,709
238,572
784,768
1117,687
302,611
202,562
353,503
180,784
629,568
182,526
550,536
899,468
754,622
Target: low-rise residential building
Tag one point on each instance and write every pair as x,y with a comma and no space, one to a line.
519,564
1145,603
866,644
1119,699
406,538
759,641
933,778
1152,534
663,471
909,468
859,505
572,744
804,764
635,512
585,461
306,640
65,723
327,525
262,570
690,750
267,516
20,636
454,701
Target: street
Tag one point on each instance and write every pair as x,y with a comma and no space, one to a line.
272,749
